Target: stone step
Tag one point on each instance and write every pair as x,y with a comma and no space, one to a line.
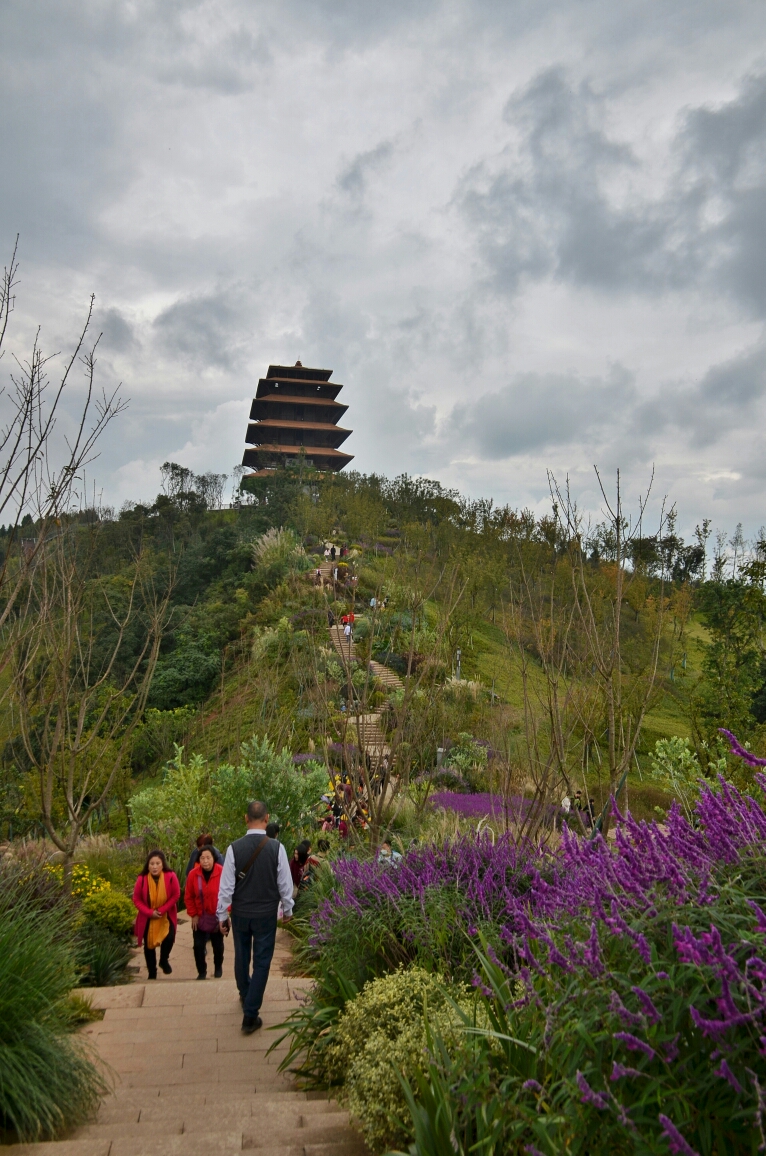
202,1143
260,1125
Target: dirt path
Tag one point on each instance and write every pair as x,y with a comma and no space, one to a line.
188,1083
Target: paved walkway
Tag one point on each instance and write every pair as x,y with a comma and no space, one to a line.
188,1083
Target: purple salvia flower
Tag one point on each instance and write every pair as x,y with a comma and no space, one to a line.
619,1071
714,1028
532,1086
634,1044
650,1011
589,1096
676,1142
628,1017
724,1071
671,1049
740,751
760,918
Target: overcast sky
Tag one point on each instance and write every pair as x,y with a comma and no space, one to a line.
525,234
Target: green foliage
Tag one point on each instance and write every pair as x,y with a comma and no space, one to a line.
173,813
187,674
382,1034
675,765
727,695
267,774
193,798
102,956
48,1083
155,737
110,910
79,1010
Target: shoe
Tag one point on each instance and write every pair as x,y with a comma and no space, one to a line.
202,975
218,972
152,976
250,1025
166,968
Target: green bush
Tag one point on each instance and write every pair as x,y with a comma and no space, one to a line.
102,957
173,813
383,1033
48,1083
268,774
111,910
193,798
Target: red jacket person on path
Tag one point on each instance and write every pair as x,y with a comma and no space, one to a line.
201,895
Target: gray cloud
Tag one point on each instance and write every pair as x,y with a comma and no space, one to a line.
539,410
469,211
726,398
117,333
563,204
354,176
205,330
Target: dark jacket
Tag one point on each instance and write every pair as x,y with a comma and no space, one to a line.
257,896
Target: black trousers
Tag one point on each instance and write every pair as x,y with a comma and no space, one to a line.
150,953
200,949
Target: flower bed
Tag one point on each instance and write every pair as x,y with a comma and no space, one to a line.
628,982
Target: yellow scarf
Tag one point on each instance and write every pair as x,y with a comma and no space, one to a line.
158,928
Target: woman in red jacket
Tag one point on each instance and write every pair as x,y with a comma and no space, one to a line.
201,897
156,896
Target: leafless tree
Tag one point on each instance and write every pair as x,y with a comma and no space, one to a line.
40,473
78,679
587,687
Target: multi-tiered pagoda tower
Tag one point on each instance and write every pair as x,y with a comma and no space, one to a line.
294,411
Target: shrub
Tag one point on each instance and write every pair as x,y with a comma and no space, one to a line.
110,910
102,957
173,813
267,774
48,1083
382,1033
83,881
193,797
644,1007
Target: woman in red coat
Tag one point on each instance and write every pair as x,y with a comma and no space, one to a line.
156,896
201,897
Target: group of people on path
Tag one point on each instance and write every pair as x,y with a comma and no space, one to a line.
239,894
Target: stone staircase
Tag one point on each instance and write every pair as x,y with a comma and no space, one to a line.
188,1083
347,653
386,676
346,650
366,730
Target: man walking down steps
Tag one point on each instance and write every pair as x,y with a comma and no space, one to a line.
255,876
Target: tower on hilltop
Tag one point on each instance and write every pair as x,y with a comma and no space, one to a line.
294,410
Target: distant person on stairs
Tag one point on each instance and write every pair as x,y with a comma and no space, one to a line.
201,896
256,875
156,896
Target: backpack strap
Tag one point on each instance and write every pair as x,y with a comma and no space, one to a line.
242,875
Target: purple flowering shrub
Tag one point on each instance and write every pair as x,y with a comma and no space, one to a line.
626,983
642,1022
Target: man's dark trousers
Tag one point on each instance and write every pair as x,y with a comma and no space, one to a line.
253,938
